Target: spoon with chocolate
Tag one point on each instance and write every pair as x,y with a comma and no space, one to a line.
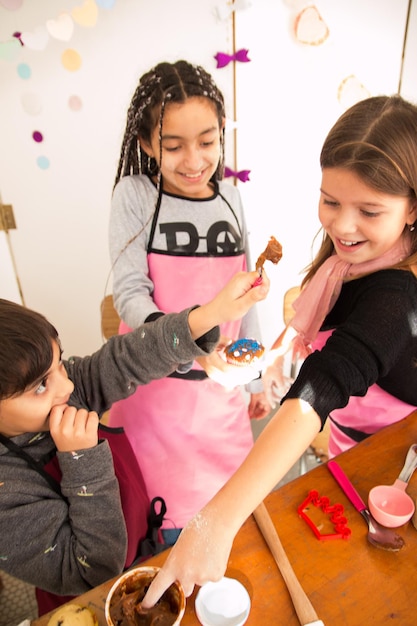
273,253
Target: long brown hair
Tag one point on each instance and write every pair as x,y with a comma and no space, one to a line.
377,140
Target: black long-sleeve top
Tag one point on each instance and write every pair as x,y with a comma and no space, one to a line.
374,341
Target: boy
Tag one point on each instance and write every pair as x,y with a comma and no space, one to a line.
62,525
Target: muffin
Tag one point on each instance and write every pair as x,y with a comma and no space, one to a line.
73,615
244,351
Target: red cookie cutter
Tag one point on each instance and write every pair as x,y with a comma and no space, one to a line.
334,511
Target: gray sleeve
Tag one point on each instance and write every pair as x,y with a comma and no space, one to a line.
65,547
152,351
132,208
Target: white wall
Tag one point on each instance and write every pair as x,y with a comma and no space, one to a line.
286,102
9,286
62,212
409,74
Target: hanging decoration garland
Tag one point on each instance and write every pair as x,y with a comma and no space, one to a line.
310,28
243,175
60,28
223,59
351,91
224,11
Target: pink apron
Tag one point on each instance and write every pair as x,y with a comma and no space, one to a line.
366,414
189,436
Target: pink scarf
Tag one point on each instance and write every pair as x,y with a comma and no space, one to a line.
321,292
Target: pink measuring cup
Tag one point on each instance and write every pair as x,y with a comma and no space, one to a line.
390,505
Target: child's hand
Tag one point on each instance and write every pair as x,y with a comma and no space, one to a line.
222,372
275,383
259,407
239,295
73,429
212,363
232,376
231,303
200,555
215,361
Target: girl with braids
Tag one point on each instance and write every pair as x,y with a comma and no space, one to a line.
177,234
362,286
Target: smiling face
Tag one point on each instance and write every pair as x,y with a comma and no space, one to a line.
191,147
362,223
29,411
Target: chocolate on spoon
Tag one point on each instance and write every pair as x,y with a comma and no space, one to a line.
272,252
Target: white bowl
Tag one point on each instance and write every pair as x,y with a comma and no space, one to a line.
224,603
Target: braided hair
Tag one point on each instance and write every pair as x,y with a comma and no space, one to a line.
165,83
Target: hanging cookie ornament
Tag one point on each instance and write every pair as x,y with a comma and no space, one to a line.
310,28
225,10
223,59
351,91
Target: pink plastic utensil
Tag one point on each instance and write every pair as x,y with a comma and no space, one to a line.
258,281
378,535
389,504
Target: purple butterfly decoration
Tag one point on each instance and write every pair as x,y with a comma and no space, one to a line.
224,59
243,175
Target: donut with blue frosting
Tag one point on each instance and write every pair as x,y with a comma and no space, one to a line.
244,351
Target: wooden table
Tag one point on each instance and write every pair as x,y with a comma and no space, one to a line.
349,581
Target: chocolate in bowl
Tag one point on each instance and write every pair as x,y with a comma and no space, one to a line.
123,601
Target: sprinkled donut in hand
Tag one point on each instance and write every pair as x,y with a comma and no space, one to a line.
244,352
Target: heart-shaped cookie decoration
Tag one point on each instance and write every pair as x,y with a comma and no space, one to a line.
37,39
86,15
61,28
351,91
310,28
